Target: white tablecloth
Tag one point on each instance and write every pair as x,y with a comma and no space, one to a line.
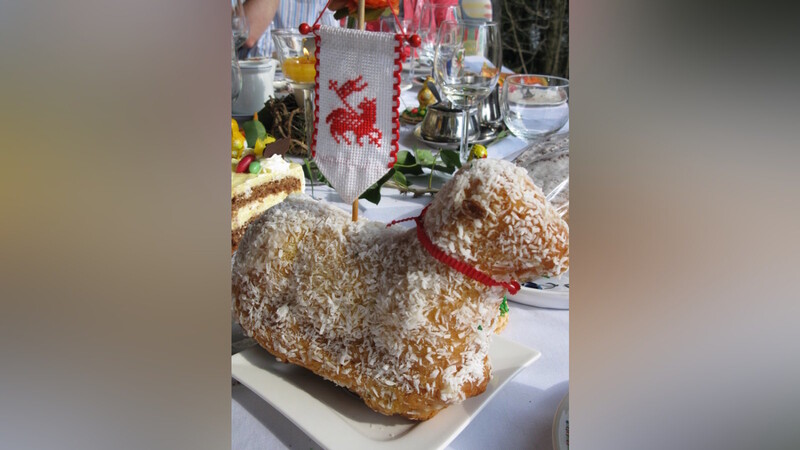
520,416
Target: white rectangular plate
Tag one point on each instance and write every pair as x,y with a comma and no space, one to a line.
337,419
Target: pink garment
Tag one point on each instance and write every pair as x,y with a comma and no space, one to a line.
416,5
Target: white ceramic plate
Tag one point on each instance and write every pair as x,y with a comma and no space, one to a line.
561,425
338,419
550,293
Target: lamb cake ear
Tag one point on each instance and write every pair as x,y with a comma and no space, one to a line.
473,209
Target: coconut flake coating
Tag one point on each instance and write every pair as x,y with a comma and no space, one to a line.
368,308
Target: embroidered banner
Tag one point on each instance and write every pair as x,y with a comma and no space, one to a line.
356,125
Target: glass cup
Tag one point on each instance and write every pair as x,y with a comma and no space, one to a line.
239,25
535,106
296,53
431,17
400,26
236,74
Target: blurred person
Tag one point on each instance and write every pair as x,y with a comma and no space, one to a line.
263,16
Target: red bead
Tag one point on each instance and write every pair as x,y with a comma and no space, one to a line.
305,28
316,27
414,40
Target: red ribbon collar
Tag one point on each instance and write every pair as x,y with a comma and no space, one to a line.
471,272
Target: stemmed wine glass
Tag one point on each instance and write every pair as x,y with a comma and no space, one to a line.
431,16
466,66
390,25
239,26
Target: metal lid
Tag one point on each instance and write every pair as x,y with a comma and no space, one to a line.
257,64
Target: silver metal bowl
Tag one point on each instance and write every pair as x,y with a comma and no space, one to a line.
489,109
443,124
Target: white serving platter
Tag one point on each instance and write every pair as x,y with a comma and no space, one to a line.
561,425
337,419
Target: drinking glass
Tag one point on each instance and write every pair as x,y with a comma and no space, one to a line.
466,65
431,17
296,53
389,25
535,106
239,26
236,74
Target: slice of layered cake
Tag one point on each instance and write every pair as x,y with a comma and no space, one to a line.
257,185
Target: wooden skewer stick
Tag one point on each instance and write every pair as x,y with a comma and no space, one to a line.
361,8
361,26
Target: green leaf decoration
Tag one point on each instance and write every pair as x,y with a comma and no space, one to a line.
445,169
307,169
405,158
504,306
253,130
373,194
312,172
425,157
400,179
386,177
451,158
414,170
406,163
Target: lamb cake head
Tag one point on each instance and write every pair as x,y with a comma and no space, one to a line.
492,216
374,310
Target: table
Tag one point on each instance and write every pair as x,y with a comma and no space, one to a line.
520,416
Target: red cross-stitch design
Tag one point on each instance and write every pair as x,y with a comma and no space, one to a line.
346,119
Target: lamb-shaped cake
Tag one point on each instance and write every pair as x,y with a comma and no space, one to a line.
369,308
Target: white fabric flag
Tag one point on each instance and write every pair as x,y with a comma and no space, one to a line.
356,117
